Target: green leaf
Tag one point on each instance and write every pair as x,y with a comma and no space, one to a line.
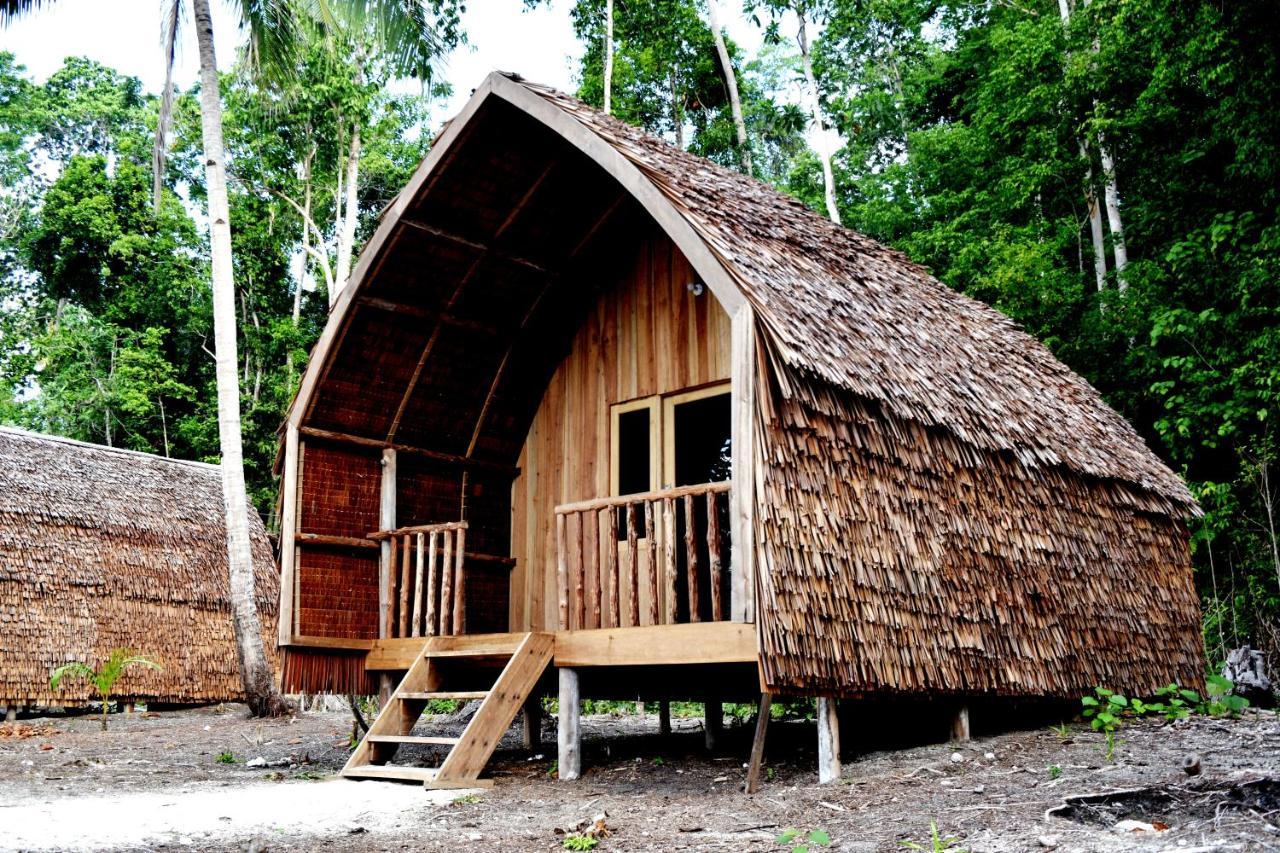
820,836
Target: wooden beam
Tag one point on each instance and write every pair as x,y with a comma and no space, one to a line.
569,734
712,722
703,642
326,540
475,245
743,464
435,455
756,763
395,654
828,741
285,626
347,643
640,497
423,313
531,727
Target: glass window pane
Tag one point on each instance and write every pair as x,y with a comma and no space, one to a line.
702,450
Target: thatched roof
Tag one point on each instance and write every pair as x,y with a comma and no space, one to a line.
941,504
103,548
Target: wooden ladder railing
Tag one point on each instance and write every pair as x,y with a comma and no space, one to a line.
591,562
427,594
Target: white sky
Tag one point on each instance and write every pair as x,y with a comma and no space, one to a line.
125,35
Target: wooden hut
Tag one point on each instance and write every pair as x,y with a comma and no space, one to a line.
594,403
102,548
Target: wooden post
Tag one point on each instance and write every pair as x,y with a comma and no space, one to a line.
960,725
11,714
562,571
446,584
713,556
433,583
128,708
691,561
651,562
288,527
386,521
609,536
417,586
406,563
580,576
742,495
664,717
828,741
569,735
460,583
633,567
757,744
532,723
669,556
712,722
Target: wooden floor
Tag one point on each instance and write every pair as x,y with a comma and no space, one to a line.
655,645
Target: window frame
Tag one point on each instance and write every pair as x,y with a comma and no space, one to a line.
655,440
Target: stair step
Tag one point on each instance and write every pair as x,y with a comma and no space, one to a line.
443,694
447,741
390,771
495,652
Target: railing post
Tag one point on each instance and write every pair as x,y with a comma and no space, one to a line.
609,536
417,588
446,584
579,580
633,567
669,555
460,583
713,556
406,558
562,571
691,560
651,562
433,582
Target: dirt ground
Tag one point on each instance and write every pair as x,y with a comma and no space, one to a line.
154,782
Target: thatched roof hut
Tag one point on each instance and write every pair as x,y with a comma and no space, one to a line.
103,548
923,501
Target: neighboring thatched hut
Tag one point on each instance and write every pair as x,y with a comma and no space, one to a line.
103,548
687,422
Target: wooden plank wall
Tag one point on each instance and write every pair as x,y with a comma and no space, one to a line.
647,335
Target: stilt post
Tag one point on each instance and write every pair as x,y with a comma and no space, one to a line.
569,735
757,744
960,725
712,722
664,717
828,741
532,724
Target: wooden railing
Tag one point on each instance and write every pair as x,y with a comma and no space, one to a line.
608,563
427,593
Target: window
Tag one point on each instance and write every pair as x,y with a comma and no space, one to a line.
678,439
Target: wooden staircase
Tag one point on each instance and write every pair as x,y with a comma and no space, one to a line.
527,657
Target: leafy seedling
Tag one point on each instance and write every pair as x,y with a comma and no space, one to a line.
936,844
103,678
226,758
799,843
578,841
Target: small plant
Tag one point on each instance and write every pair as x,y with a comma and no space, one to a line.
1054,771
578,841
1062,730
937,844
793,838
554,770
466,800
770,774
103,678
658,761
1104,710
226,758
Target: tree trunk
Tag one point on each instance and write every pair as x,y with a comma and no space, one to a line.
303,260
347,239
608,57
731,80
1111,193
170,36
811,84
677,115
1095,222
259,687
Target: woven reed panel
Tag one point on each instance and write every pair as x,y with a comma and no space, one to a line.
340,489
102,548
894,558
337,593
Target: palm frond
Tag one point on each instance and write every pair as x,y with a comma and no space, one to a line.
73,668
411,35
271,28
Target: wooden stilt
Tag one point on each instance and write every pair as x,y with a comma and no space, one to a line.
128,707
569,736
385,686
960,725
664,717
828,741
11,713
532,724
756,763
712,722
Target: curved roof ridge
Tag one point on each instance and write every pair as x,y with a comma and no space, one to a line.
20,432
861,316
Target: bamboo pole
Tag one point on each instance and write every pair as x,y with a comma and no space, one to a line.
713,556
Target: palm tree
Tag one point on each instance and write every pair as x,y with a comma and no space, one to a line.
403,27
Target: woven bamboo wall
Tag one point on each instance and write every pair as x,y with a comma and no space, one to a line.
647,335
897,559
103,548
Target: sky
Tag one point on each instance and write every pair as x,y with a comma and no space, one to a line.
125,35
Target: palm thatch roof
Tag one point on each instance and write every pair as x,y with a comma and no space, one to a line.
103,548
940,504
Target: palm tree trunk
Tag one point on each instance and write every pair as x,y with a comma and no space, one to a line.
259,685
731,80
1095,223
351,205
811,84
608,57
1111,195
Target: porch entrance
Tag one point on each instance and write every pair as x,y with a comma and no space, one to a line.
656,550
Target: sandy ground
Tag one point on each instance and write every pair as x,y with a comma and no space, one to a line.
155,783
